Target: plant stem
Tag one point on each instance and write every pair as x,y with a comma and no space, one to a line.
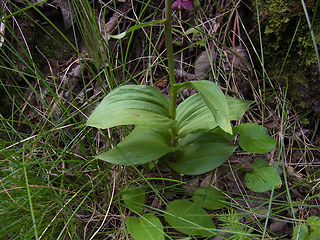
168,36
29,198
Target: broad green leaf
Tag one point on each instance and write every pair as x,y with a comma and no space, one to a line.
314,224
189,218
136,27
225,135
193,115
141,146
259,163
263,178
209,198
147,227
132,105
237,107
201,152
314,236
134,199
255,138
214,99
300,232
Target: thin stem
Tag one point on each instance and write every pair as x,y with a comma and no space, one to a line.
168,36
262,62
312,32
30,198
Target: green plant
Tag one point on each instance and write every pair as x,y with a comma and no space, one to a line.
301,231
50,189
237,229
191,138
189,217
146,227
263,177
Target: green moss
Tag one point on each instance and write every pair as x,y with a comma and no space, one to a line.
281,19
277,11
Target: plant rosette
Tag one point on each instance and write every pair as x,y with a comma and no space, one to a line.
197,137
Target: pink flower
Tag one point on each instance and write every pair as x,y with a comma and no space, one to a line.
182,4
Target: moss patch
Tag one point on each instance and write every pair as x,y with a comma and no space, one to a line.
285,25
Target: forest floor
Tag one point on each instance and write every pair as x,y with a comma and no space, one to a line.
58,62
